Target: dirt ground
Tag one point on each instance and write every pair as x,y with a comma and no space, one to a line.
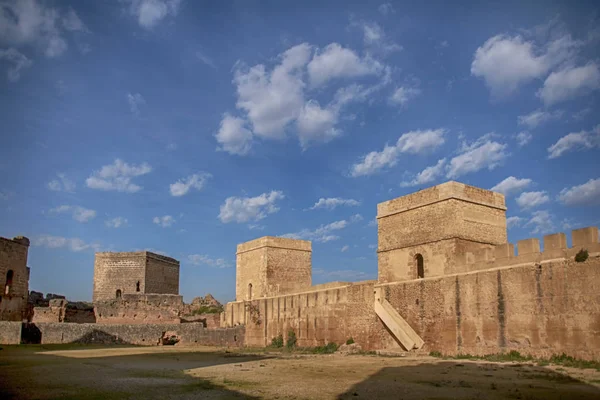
173,372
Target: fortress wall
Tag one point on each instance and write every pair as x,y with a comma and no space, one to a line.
317,317
537,308
10,332
140,309
145,335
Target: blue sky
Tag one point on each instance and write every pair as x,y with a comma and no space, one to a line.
189,127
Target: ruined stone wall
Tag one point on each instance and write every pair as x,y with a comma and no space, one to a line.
162,274
118,271
539,309
10,332
145,335
273,266
317,317
13,257
140,309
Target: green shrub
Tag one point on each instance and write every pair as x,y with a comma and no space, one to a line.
581,256
350,341
435,354
207,310
329,348
277,341
291,340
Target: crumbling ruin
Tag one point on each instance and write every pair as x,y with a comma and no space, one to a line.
448,281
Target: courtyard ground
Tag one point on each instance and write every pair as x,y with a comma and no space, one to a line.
174,372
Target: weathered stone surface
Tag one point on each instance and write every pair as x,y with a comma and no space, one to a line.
14,278
117,274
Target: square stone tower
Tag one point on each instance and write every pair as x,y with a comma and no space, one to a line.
139,272
272,266
14,278
428,233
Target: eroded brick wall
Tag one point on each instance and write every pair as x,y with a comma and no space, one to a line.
13,257
162,275
10,332
140,309
145,335
537,309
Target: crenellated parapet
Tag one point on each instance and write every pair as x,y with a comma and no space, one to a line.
530,250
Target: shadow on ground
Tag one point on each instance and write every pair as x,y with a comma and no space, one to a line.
27,373
471,380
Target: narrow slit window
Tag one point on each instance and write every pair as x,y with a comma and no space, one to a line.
9,281
420,267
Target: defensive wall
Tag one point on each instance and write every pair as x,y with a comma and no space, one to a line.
137,334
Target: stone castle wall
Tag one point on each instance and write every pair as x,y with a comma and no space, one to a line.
162,274
140,308
13,257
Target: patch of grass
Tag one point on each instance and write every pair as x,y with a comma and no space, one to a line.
515,356
329,348
239,384
198,384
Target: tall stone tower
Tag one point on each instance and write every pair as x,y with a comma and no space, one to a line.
14,278
140,272
430,232
271,266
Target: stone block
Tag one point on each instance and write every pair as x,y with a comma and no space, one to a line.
506,250
584,236
556,241
528,246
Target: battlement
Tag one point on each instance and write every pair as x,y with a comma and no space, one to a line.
445,191
529,250
275,242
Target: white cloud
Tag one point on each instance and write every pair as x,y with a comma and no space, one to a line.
55,242
273,100
428,175
78,213
528,200
316,124
538,117
29,22
206,59
481,154
322,234
576,141
569,83
386,9
150,12
541,222
345,248
195,181
403,95
164,222
116,222
135,101
62,184
233,137
117,176
356,218
201,259
511,222
511,185
335,62
506,62
585,194
244,209
331,203
579,115
414,142
375,38
18,60
72,22
523,138
343,274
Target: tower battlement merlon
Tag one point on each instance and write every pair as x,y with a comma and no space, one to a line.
275,242
444,191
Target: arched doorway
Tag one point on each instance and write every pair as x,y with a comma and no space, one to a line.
249,291
118,293
420,267
137,286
